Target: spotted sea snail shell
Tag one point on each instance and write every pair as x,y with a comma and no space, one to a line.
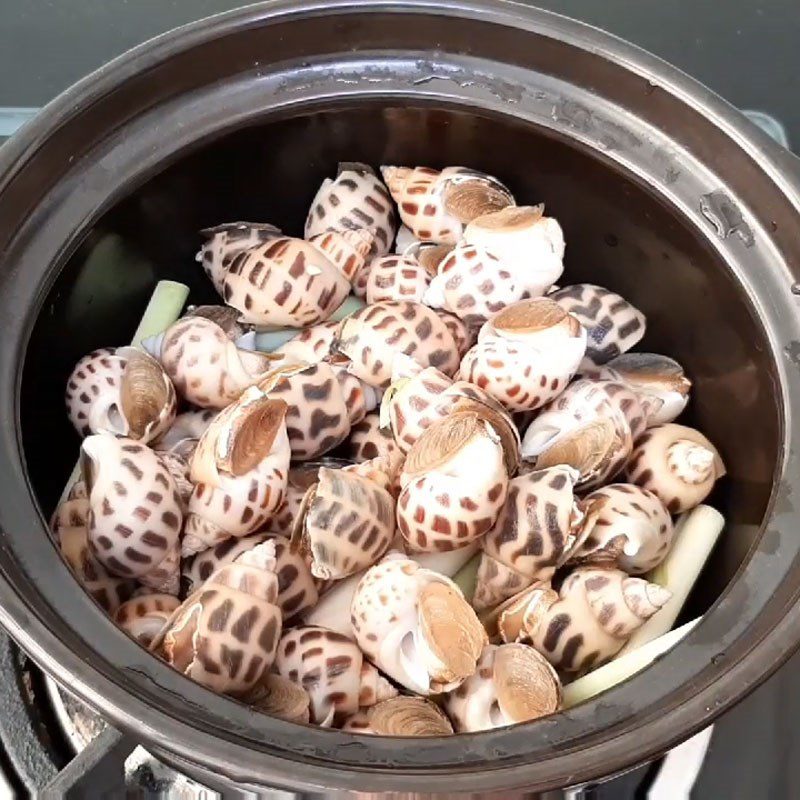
400,716
369,440
678,464
613,324
435,205
454,484
123,391
526,354
536,531
224,242
297,592
630,529
371,337
355,200
396,278
587,622
310,345
591,426
348,251
225,634
504,257
206,366
285,282
239,472
345,524
142,618
334,672
659,381
513,683
415,626
135,513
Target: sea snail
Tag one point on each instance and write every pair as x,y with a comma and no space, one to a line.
239,472
142,618
504,257
400,716
369,440
677,464
346,523
513,683
538,528
225,634
587,622
355,199
454,483
436,205
369,339
135,512
591,426
121,391
415,626
526,354
613,324
334,672
630,529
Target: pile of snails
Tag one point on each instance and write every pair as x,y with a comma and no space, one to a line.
283,527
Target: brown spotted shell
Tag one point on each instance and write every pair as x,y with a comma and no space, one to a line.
123,391
349,251
207,368
587,622
631,529
463,335
513,683
591,426
239,472
677,464
415,626
400,716
279,698
108,590
355,200
332,669
135,514
72,511
142,618
537,530
284,282
396,278
310,345
297,592
613,324
225,634
369,440
371,337
317,418
435,205
346,523
225,241
526,354
454,483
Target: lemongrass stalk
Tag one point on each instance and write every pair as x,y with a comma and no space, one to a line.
623,667
267,341
333,609
164,307
467,577
695,537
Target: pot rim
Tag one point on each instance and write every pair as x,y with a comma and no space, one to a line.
168,734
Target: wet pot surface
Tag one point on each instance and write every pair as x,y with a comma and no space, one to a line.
704,249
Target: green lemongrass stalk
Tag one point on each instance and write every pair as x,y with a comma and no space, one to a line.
467,577
623,667
695,537
164,307
333,609
267,341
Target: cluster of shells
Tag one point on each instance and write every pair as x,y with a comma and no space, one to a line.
283,527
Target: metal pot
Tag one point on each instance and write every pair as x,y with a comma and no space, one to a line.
665,193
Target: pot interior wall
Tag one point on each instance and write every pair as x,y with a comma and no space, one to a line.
618,233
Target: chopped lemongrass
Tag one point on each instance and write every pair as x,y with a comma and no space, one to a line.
623,666
164,307
467,577
695,536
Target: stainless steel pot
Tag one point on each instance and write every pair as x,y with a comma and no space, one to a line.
665,193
